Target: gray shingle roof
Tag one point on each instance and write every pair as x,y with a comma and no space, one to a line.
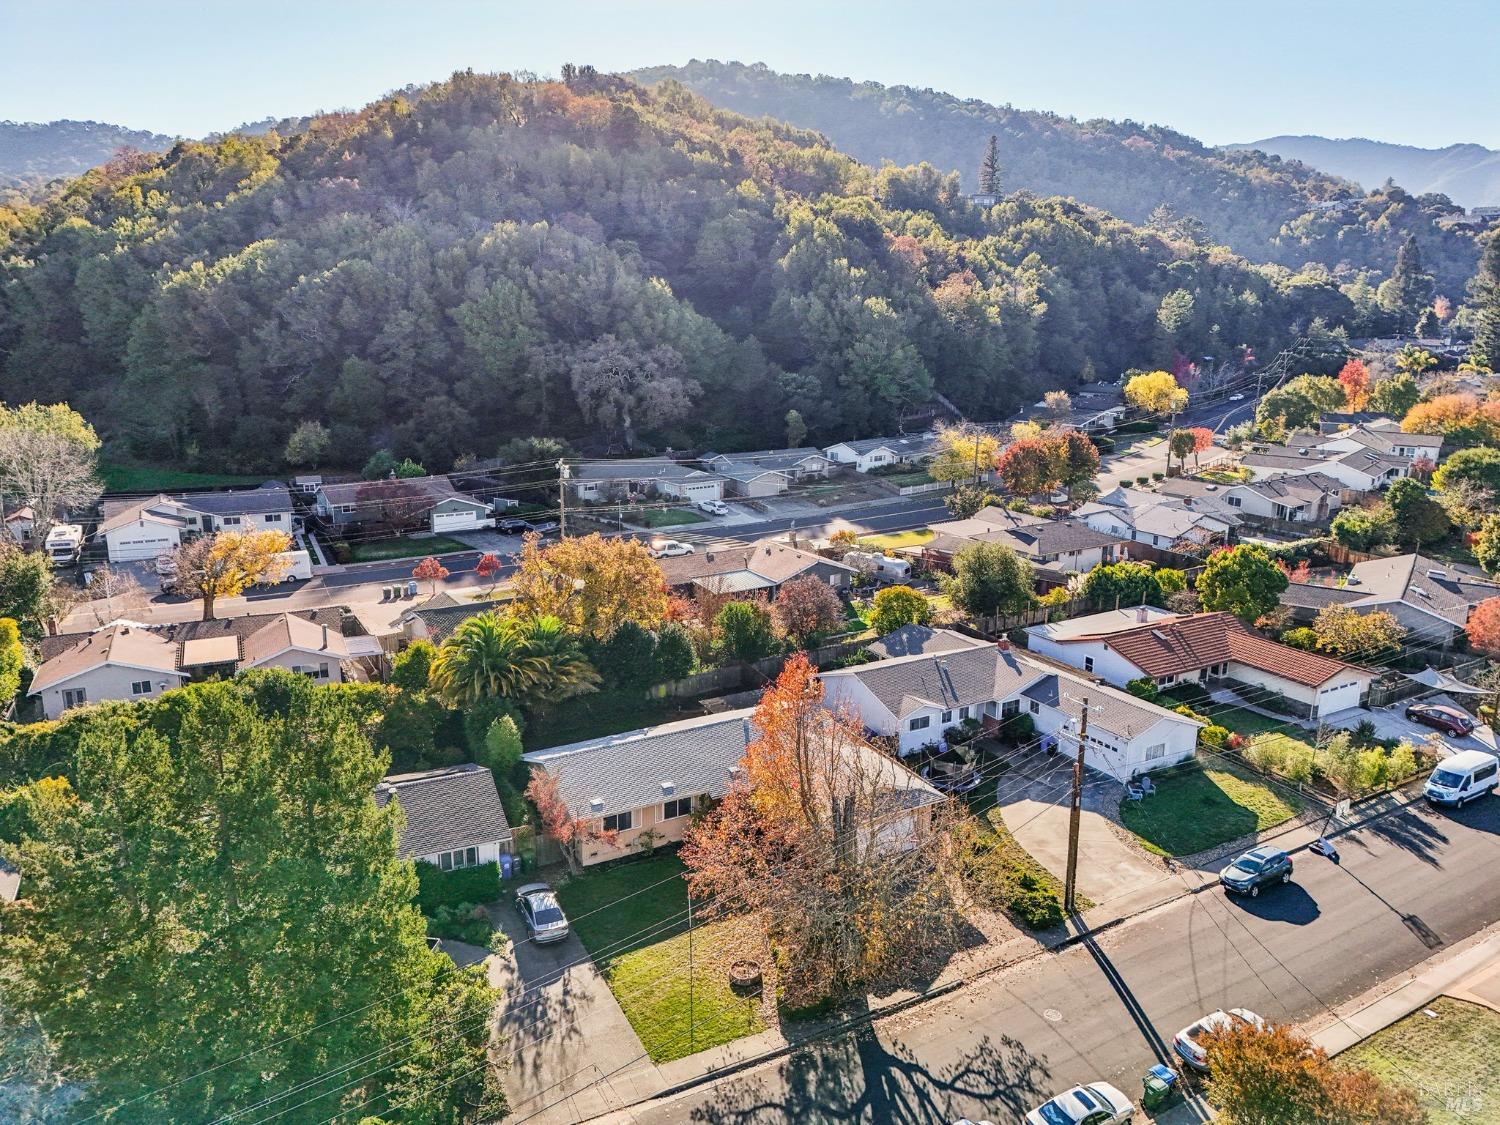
633,469
917,640
629,770
441,620
244,502
446,809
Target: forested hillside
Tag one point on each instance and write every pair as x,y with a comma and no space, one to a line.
1467,174
1255,203
485,258
33,152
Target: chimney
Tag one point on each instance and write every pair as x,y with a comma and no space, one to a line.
1003,644
745,723
325,636
1141,615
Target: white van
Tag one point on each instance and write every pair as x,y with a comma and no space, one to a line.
883,566
1462,778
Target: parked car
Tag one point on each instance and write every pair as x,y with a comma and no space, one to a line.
545,920
713,507
1450,719
1236,398
1098,1103
1188,1042
1462,778
516,525
667,548
1257,868
952,777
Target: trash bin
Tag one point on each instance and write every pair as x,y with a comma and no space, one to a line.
411,588
1157,1087
505,864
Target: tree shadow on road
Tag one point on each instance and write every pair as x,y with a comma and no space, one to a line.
859,1078
1411,832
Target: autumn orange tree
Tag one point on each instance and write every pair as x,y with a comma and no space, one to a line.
1483,629
1275,1076
557,820
227,564
818,844
1031,465
431,571
592,583
1354,376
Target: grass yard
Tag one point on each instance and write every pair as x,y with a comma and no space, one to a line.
1247,723
907,480
1003,875
632,919
404,547
891,540
1452,1061
118,477
593,716
664,517
1202,807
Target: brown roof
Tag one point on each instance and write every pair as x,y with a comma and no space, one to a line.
1176,647
772,560
242,627
287,631
127,645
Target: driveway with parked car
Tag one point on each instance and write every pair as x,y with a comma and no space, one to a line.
1391,722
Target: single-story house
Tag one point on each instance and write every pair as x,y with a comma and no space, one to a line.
1431,600
1331,422
874,453
1312,498
454,817
308,484
752,481
1159,521
642,478
798,464
126,660
1068,545
916,699
459,513
760,567
1144,642
142,529
654,779
267,508
341,503
435,619
922,640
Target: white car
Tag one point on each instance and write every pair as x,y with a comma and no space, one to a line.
666,548
1098,1103
1236,398
1188,1042
713,507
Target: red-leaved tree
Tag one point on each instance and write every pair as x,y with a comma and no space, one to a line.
488,568
1483,628
557,820
431,571
1203,440
1355,377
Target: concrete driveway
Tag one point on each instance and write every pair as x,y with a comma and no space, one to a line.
1037,815
573,1054
1391,722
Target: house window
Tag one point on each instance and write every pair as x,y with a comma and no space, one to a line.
619,822
947,717
459,857
272,517
1088,663
1156,750
231,521
1010,708
76,697
1036,708
963,712
1234,501
921,722
679,806
140,687
1164,680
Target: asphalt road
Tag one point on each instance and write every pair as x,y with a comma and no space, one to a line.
1109,1009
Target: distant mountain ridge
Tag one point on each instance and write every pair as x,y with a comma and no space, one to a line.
1468,174
34,152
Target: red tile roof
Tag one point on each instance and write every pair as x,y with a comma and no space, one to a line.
1189,643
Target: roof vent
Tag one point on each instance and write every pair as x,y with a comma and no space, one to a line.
596,804
1302,452
735,771
709,556
1437,574
668,788
1351,581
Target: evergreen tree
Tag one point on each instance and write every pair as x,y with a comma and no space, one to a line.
1484,301
989,168
1409,290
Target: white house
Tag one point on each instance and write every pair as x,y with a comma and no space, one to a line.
20,524
1382,441
142,529
454,817
1159,521
1312,498
652,780
640,478
798,464
120,661
874,453
916,699
1359,470
1146,642
1070,546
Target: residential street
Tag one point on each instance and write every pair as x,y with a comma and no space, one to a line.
1108,1008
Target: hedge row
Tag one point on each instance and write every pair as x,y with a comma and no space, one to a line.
439,888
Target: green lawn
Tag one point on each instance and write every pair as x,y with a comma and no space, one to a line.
1204,806
1453,1061
404,547
636,932
664,517
907,480
1248,723
160,478
1002,875
891,540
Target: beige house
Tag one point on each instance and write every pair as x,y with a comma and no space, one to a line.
125,660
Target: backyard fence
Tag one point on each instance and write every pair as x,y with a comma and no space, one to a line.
1393,686
1001,623
749,674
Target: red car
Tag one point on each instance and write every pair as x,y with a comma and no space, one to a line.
1450,719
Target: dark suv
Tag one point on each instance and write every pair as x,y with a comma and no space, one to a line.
1256,868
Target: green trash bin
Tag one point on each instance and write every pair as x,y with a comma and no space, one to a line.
1155,1093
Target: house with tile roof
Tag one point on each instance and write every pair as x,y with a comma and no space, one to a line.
129,661
1201,648
762,567
453,816
653,780
1430,599
917,699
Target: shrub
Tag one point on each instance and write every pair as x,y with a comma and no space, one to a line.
1033,905
480,716
1020,728
1214,736
1144,688
437,888
1143,480
463,921
1158,476
1301,637
1126,482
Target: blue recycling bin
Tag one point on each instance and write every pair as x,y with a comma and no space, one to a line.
505,865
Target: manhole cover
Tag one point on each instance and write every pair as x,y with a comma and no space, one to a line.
1053,1014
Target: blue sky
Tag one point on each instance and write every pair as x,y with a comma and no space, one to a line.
1217,70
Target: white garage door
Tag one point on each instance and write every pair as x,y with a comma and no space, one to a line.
1340,698
455,521
707,490
135,547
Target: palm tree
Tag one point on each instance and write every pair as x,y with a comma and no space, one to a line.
533,662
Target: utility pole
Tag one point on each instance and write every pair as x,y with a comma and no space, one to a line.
1075,813
691,1045
562,498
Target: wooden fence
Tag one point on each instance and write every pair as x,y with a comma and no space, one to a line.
1393,686
750,674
